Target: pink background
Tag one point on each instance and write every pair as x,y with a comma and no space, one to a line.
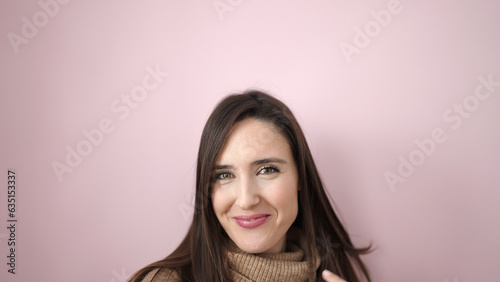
129,201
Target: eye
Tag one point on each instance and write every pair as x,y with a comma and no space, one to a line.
268,170
223,175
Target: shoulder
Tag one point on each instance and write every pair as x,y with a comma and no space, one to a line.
162,274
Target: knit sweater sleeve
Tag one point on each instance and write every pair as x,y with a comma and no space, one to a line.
162,274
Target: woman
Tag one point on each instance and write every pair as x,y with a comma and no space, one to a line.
261,212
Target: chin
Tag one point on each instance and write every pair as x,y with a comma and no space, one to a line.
253,249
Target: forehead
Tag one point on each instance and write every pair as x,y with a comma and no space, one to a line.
250,139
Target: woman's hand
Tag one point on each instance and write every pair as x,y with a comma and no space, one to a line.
330,277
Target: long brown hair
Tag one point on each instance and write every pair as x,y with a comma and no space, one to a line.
200,256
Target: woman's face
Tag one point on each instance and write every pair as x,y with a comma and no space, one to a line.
255,188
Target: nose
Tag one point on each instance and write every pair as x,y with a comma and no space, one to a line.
248,194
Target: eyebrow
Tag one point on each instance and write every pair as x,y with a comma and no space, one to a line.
254,163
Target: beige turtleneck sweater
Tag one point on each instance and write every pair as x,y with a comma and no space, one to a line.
286,266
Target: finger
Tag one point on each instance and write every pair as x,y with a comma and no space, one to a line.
330,277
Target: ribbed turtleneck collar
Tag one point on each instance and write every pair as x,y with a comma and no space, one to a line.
286,266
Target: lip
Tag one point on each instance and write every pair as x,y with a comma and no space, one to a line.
251,221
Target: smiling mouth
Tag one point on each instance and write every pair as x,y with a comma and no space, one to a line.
251,221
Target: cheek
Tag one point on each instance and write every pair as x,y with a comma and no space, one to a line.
285,197
221,201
